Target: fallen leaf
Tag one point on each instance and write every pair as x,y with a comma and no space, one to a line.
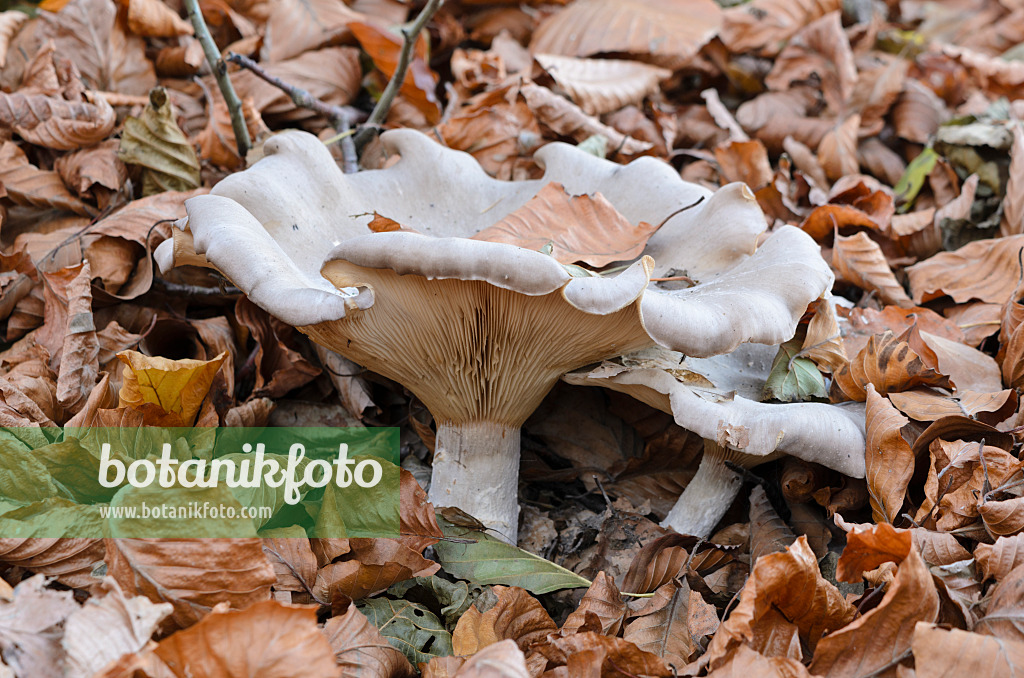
890,364
998,559
176,387
867,549
70,561
1003,518
745,161
767,25
602,85
410,627
31,626
662,626
768,532
26,184
500,659
383,47
669,34
837,151
1004,616
516,616
819,50
941,653
87,32
580,228
859,260
792,378
926,405
372,566
603,600
154,19
984,269
155,142
93,173
11,22
125,625
361,651
783,587
823,342
297,26
79,364
193,575
57,123
883,635
278,638
217,140
610,655
280,366
889,459
746,662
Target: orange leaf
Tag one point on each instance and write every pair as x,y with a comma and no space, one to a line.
384,47
867,549
888,460
580,228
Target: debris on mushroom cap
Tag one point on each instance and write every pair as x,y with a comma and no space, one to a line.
716,398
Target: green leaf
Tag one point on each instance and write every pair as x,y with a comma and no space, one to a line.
155,142
793,379
362,511
492,561
411,628
452,598
910,184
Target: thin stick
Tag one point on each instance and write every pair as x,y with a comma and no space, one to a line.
341,117
380,111
220,72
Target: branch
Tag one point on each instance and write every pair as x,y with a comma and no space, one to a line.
341,117
380,111
220,72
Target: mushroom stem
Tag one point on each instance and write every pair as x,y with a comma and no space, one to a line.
476,468
708,495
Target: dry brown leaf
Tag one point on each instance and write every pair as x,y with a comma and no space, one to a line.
278,639
783,588
566,118
580,228
823,342
603,600
26,184
1003,518
984,269
891,364
125,624
819,51
602,85
500,660
176,388
498,129
297,26
997,560
371,567
79,362
361,651
1004,616
517,616
865,322
940,653
593,654
94,172
883,635
745,662
768,532
926,405
663,626
31,626
889,459
879,83
193,575
837,151
774,116
968,369
766,25
11,22
280,366
670,34
745,161
71,561
867,549
383,47
181,61
1012,222
918,112
110,60
294,563
154,19
859,260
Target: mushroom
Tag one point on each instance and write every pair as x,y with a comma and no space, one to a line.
717,398
480,331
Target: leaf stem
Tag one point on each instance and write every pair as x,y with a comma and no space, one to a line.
220,72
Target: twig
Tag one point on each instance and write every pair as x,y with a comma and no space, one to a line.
220,72
341,117
380,111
